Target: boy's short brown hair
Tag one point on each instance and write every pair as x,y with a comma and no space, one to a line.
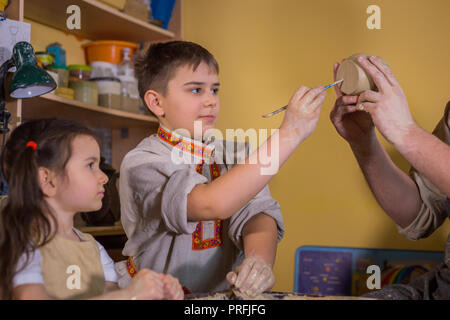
158,65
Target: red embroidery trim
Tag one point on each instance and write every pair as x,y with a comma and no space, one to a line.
199,244
197,236
197,239
130,267
187,146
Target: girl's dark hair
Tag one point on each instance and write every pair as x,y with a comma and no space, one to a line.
26,220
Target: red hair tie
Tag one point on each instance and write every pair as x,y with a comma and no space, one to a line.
32,144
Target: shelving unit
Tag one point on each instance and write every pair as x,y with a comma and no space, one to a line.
98,22
51,105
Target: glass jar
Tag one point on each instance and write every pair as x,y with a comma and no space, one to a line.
79,72
85,91
63,75
109,89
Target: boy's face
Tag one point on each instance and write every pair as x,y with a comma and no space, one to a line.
191,96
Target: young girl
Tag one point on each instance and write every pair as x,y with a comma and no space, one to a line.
52,170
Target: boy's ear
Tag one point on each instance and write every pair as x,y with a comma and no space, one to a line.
153,102
47,181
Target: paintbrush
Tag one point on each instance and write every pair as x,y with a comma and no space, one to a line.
284,108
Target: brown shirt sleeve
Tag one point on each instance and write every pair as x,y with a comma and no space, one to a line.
433,210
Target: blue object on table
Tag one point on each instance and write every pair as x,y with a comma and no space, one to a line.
342,271
162,10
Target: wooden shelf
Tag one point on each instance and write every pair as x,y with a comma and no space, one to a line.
103,231
51,105
98,21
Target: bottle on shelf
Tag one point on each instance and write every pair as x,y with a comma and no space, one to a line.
129,84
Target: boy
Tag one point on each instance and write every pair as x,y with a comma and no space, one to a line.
197,221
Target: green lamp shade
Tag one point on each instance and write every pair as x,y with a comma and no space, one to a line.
29,80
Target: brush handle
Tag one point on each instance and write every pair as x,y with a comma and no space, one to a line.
275,112
285,107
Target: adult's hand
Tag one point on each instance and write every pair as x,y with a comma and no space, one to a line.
388,107
352,124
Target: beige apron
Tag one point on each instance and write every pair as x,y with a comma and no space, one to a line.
71,269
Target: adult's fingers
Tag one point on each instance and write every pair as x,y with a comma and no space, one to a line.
346,100
378,77
366,106
369,96
339,111
348,109
384,69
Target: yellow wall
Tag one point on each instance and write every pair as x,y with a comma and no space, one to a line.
267,48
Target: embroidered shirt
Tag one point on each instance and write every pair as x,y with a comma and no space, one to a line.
154,185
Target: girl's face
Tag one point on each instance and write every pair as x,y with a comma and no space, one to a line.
81,187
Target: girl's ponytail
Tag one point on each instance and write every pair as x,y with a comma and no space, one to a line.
30,230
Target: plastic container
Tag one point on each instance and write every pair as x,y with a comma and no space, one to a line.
103,69
54,75
125,67
162,10
85,91
138,9
130,104
67,93
129,86
63,75
125,72
107,51
58,52
108,85
47,59
79,72
113,101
